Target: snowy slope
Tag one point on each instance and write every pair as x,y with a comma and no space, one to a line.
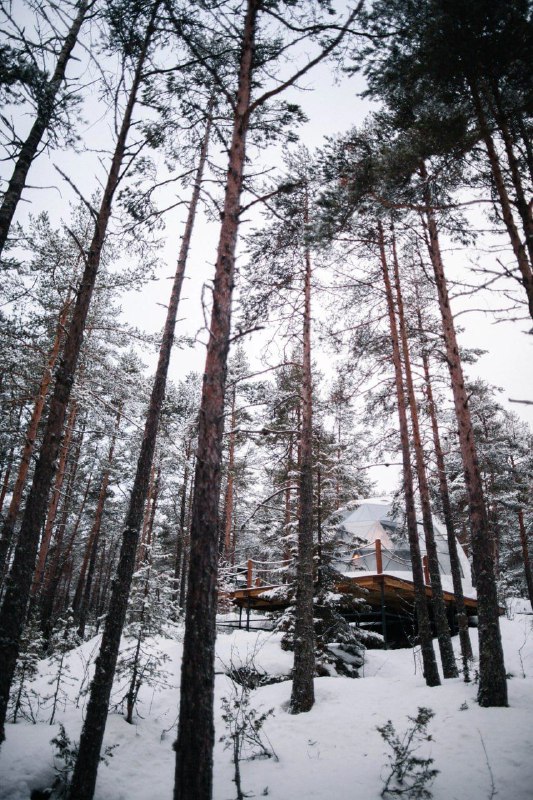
332,753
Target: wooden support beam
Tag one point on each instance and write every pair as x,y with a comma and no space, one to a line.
249,573
379,558
383,607
427,579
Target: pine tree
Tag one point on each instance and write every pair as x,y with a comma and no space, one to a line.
195,730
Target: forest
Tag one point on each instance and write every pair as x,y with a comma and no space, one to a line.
263,262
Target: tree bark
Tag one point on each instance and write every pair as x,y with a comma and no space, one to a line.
60,531
492,679
31,434
186,545
229,498
5,486
287,511
82,595
141,550
55,571
106,568
85,771
462,618
147,556
54,501
431,673
523,539
449,667
182,529
525,554
303,693
13,612
194,745
45,111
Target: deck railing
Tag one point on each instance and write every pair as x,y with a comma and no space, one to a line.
254,573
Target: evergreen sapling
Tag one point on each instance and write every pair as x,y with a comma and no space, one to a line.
410,775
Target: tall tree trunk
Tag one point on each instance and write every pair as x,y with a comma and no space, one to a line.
82,595
229,498
84,777
180,538
8,461
194,745
449,667
462,618
523,539
29,441
150,531
54,500
65,511
492,680
525,554
141,550
287,514
55,571
108,560
431,673
13,612
186,543
186,546
303,693
319,521
518,247
45,111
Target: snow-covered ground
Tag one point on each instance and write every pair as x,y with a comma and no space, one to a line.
334,752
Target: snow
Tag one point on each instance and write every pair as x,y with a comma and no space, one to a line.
334,751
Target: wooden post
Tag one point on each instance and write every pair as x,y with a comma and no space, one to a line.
379,559
427,580
249,572
383,609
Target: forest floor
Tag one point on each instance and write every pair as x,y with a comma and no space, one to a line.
334,752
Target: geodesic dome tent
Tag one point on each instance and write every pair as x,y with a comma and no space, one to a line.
358,529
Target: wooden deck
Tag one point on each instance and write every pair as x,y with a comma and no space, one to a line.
389,599
397,591
394,590
378,589
251,597
389,605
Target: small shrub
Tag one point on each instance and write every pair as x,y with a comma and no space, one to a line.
244,735
64,762
24,701
409,774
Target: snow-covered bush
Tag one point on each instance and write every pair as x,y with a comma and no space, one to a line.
410,775
244,734
24,701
